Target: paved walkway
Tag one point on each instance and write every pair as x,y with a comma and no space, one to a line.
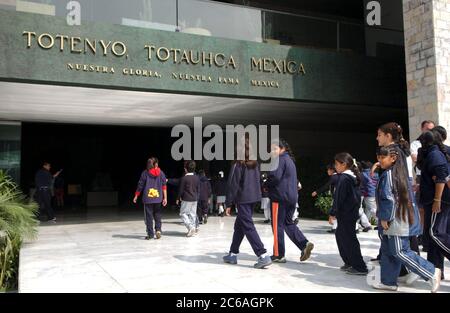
112,256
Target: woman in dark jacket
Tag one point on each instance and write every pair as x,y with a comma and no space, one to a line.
244,191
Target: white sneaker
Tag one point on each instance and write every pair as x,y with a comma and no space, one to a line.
381,286
435,282
191,232
411,278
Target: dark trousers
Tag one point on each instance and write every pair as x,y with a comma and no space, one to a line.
437,234
348,244
202,208
243,226
44,199
281,216
152,211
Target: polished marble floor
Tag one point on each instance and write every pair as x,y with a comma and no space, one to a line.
100,254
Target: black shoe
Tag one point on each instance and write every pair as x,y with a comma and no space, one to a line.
205,219
366,229
352,271
377,259
278,259
357,231
345,267
331,231
148,237
375,228
266,221
296,221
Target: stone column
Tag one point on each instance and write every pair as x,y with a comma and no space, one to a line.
427,56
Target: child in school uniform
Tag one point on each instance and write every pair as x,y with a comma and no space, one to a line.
346,203
204,197
152,186
395,211
188,193
283,194
329,187
244,191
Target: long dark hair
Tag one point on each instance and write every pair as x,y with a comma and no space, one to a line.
283,144
439,135
249,160
350,162
396,131
400,185
428,139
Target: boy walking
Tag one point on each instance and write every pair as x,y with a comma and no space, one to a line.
188,194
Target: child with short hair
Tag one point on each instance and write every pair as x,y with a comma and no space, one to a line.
188,193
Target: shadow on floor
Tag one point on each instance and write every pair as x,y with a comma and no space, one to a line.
215,258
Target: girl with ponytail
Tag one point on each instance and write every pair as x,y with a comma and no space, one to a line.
346,204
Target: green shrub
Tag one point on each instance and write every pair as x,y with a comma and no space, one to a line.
17,222
324,202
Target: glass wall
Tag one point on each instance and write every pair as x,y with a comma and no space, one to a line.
208,18
10,134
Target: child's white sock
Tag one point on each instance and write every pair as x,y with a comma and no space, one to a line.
263,255
233,254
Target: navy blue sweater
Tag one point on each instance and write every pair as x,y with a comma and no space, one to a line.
220,187
282,181
244,185
435,164
346,198
189,188
205,189
151,186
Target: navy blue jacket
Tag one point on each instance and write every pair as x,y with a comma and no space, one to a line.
151,186
368,183
435,164
386,204
283,181
346,198
205,189
220,187
244,185
330,185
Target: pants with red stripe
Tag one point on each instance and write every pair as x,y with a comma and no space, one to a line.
244,226
282,222
437,232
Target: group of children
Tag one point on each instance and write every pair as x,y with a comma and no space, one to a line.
386,189
396,209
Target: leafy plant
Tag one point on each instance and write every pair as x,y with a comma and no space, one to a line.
17,223
324,203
